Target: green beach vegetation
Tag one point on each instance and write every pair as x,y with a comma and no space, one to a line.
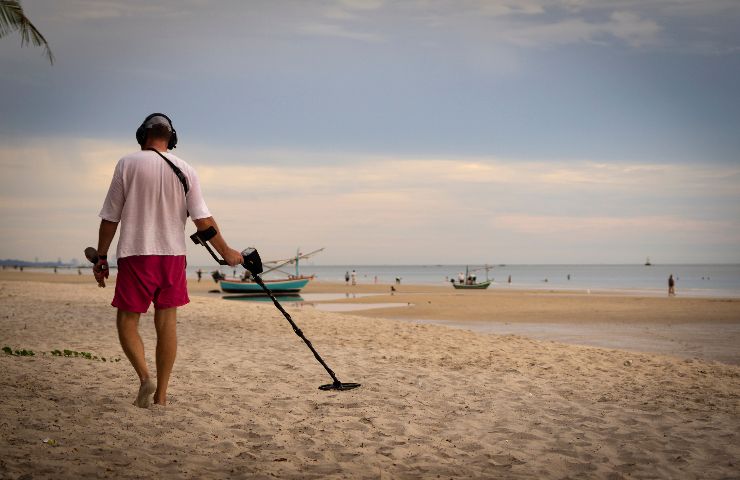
59,353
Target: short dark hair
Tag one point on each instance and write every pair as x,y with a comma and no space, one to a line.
159,132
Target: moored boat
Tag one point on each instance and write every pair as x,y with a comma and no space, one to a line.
469,282
472,286
281,286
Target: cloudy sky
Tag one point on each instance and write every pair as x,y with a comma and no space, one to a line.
408,132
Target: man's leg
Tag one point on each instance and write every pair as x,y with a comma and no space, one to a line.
133,347
165,321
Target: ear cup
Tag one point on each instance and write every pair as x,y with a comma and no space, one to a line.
140,135
173,138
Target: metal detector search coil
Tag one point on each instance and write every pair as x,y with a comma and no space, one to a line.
253,264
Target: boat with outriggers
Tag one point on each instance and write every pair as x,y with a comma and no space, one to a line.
469,282
291,285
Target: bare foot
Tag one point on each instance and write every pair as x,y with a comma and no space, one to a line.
143,399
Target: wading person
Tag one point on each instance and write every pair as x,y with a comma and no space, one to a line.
152,201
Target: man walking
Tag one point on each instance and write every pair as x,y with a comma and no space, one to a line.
151,195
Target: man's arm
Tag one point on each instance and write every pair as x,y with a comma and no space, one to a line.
231,256
105,236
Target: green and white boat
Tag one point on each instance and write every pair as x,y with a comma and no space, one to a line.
469,284
472,286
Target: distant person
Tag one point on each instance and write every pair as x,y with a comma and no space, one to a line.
151,195
55,269
79,271
200,274
569,276
398,280
346,277
354,277
461,278
509,278
393,290
671,286
21,268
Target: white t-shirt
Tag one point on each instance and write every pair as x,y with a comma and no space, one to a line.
147,198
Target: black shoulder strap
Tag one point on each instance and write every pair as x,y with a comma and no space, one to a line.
178,172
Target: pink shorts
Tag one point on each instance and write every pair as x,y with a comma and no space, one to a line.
143,279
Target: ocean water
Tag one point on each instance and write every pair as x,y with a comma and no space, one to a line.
691,280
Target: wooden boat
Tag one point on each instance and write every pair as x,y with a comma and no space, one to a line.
280,286
471,285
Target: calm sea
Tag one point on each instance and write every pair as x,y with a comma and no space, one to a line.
691,280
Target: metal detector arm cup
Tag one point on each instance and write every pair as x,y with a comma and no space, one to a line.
201,237
252,261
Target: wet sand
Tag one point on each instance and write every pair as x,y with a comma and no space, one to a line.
705,328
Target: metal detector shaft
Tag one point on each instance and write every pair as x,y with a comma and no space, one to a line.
297,330
253,264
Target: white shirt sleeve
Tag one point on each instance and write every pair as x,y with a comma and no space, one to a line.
195,202
113,205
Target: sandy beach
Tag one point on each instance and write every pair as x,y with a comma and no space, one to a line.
435,401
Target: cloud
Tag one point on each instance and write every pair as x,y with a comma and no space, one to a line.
606,226
383,208
338,31
504,8
625,26
362,4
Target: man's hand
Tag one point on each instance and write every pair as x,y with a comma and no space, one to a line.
232,257
100,270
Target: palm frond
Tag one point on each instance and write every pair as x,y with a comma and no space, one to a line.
9,14
13,19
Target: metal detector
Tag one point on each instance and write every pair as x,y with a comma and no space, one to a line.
253,264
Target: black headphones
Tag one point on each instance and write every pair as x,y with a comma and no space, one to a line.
141,131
